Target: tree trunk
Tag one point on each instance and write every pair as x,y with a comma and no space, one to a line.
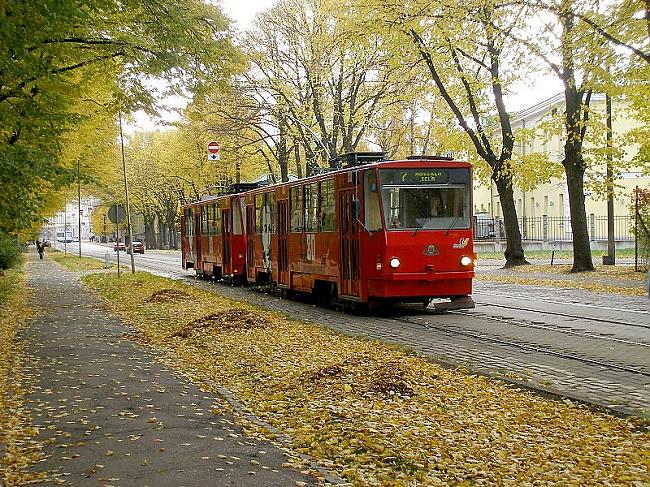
573,165
514,249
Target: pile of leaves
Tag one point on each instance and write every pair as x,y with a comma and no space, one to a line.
18,446
378,415
168,295
229,320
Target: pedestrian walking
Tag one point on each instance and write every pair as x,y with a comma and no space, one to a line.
40,248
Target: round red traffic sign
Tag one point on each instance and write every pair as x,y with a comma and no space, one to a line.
214,147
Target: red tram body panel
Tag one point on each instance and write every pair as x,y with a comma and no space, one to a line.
212,237
382,231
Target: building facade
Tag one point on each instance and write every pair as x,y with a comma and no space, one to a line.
544,211
65,224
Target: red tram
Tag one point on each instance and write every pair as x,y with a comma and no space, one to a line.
372,231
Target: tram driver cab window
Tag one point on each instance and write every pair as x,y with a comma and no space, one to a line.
371,193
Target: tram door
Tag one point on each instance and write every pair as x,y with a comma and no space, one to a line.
198,261
250,242
226,231
283,250
349,228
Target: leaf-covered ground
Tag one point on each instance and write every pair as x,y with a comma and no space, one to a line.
620,279
18,445
371,412
74,262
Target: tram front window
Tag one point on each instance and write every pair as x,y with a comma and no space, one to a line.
425,207
431,198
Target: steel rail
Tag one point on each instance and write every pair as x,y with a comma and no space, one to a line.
478,336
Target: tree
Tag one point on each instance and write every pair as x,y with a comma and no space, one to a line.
464,54
54,52
320,84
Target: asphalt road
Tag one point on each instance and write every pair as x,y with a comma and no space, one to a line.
589,346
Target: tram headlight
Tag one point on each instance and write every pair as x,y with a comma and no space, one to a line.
465,261
394,262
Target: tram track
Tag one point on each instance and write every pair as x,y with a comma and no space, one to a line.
522,346
565,315
555,328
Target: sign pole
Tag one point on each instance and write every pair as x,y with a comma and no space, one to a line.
117,233
79,201
65,228
126,193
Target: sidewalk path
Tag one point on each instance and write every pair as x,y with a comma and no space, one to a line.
115,416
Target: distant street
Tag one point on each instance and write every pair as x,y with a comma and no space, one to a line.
589,346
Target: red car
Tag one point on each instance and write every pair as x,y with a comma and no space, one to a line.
137,247
119,246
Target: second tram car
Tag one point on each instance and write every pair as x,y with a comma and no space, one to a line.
371,231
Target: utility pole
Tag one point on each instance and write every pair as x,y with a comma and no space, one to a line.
126,194
79,201
611,243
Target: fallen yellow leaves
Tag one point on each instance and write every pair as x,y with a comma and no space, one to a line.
18,447
607,279
372,412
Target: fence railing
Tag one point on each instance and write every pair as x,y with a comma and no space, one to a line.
553,229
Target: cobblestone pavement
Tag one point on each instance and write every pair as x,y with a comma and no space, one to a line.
110,414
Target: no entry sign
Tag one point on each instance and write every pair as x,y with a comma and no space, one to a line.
214,151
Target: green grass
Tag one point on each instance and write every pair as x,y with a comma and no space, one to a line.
559,254
9,282
74,262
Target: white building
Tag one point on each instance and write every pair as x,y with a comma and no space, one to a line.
544,211
66,222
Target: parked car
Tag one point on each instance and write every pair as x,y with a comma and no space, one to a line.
120,246
137,247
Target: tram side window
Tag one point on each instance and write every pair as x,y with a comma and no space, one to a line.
189,222
204,220
311,207
327,206
209,211
236,217
259,213
297,213
373,212
270,209
217,220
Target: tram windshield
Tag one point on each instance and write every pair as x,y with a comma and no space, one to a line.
433,199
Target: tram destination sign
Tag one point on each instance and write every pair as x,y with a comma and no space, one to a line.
414,176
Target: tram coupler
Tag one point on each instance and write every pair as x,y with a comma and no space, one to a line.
463,302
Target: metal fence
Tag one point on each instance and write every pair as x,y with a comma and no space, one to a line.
553,229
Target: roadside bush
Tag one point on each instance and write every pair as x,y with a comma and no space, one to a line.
9,252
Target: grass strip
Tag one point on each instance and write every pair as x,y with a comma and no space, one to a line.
374,413
621,280
74,262
559,254
18,446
